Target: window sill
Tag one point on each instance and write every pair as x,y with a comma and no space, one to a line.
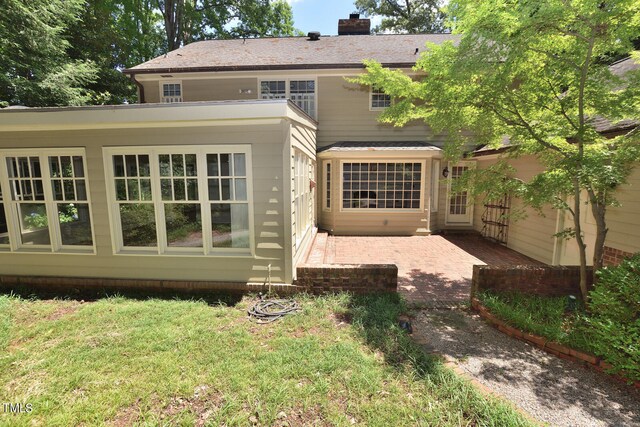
180,254
41,251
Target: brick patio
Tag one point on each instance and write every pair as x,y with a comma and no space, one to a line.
431,269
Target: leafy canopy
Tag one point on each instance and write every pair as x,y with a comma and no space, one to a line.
405,16
535,74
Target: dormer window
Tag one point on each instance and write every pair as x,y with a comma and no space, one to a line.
378,100
171,92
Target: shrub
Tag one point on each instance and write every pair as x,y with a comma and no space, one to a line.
614,321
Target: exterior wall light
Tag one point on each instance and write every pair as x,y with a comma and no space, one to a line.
445,171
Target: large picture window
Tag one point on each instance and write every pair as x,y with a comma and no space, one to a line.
382,185
189,200
301,92
47,205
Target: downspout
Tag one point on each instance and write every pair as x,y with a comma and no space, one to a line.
140,88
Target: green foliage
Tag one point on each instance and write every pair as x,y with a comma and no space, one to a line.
614,321
138,224
35,68
534,76
610,329
186,21
37,218
185,362
405,16
540,315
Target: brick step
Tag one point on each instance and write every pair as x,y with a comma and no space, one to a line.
318,249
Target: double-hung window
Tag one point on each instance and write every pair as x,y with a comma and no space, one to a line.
181,200
302,206
45,201
301,92
382,185
378,100
170,92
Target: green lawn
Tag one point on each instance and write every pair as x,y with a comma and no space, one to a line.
120,361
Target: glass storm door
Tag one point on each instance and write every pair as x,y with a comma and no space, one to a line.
460,209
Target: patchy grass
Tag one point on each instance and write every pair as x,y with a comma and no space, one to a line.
540,315
117,361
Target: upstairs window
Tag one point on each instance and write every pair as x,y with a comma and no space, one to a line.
301,92
171,92
378,100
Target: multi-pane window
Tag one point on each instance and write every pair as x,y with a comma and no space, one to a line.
458,202
180,200
197,196
48,204
274,89
171,92
228,201
133,195
4,228
378,99
301,194
327,186
69,186
301,92
381,185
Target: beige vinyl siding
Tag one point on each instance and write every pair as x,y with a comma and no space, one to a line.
624,220
206,89
533,234
344,115
266,143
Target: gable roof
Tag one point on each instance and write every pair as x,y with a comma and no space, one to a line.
292,53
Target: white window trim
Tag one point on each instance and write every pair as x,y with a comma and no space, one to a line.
326,186
371,107
162,249
447,221
161,84
386,160
11,208
288,79
435,184
302,196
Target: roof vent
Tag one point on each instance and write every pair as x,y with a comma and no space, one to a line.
313,35
354,26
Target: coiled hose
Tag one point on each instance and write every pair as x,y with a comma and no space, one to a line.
270,310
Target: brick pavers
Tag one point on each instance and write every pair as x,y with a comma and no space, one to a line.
430,268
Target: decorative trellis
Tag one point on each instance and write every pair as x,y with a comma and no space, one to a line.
495,219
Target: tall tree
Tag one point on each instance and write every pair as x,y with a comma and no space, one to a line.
405,16
535,71
115,34
186,21
35,68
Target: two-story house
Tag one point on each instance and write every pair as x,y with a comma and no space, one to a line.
236,151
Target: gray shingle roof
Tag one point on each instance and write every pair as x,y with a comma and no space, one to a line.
292,53
378,146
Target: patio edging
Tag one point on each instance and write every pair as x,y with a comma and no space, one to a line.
558,350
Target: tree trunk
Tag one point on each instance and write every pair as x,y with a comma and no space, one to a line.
582,248
599,209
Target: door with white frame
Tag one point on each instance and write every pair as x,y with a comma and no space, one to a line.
460,206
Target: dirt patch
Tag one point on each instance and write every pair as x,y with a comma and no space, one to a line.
127,416
204,403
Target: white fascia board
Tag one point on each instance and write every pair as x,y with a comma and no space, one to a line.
184,114
386,154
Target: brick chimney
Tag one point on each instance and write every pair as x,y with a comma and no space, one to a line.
354,26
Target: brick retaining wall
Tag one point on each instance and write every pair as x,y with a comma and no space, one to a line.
358,278
548,280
